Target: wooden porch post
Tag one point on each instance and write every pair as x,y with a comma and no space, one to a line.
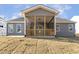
54,25
34,25
24,24
44,25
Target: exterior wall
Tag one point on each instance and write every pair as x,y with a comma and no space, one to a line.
64,30
2,27
39,12
14,29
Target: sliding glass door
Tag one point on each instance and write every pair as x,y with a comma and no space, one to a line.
39,26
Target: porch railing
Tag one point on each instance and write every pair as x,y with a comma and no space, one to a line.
48,32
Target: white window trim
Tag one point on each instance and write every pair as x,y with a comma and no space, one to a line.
16,28
69,27
58,28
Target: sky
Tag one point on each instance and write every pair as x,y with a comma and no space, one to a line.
11,11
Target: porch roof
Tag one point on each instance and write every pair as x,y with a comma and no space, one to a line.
42,7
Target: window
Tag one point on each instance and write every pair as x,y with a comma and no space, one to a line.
18,28
70,27
58,28
10,28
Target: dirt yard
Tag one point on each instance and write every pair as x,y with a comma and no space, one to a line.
24,45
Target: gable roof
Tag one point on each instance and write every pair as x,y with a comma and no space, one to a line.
42,7
58,20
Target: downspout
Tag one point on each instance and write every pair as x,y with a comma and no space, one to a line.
6,28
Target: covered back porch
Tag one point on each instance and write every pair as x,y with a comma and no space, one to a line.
40,26
39,21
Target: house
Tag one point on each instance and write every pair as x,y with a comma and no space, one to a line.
2,27
40,21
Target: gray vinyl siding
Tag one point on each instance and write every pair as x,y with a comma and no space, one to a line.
14,30
64,30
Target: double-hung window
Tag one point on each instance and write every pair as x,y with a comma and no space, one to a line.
10,28
70,27
18,28
57,27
